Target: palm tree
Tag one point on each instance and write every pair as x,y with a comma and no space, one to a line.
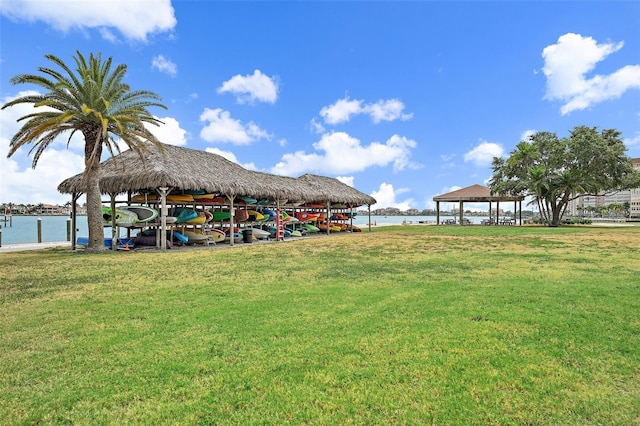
95,102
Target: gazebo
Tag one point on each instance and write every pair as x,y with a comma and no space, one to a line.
478,194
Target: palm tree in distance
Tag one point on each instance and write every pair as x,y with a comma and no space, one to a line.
94,101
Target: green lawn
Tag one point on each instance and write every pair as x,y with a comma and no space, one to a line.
404,325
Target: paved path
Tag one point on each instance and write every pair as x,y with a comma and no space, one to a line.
33,246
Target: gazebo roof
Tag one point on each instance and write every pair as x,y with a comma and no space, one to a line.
475,193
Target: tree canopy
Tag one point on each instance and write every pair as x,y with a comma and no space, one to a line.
554,171
95,101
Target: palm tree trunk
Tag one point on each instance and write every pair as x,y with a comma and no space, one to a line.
94,211
94,199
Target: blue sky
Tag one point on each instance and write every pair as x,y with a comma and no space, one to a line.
402,100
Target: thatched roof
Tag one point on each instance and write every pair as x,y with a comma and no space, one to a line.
475,193
188,169
326,189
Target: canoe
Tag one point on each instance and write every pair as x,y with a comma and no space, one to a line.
210,199
198,220
237,238
217,235
179,236
254,215
185,215
310,228
195,237
145,198
270,213
220,216
306,216
194,192
123,217
180,198
296,234
145,214
323,227
272,231
260,233
203,196
248,200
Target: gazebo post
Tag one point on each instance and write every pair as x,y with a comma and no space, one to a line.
497,212
163,217
328,217
114,226
437,212
231,210
74,200
520,212
490,214
461,214
369,206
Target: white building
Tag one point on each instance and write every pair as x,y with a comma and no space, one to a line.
634,194
576,207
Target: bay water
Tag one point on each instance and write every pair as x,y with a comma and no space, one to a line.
24,228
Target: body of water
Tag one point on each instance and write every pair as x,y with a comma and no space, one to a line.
24,229
363,220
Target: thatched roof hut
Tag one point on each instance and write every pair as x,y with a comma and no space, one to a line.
331,190
189,169
178,168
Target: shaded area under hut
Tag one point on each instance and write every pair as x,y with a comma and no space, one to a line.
162,176
479,194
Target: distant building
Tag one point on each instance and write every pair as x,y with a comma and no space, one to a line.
632,196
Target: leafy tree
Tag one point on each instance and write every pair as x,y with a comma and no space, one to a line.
554,171
95,102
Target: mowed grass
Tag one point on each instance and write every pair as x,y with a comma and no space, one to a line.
404,325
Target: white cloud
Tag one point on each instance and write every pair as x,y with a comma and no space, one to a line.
633,141
347,180
526,134
482,155
316,126
135,19
170,132
341,111
164,65
222,128
231,157
251,88
9,124
338,152
344,109
388,110
24,185
567,64
386,197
